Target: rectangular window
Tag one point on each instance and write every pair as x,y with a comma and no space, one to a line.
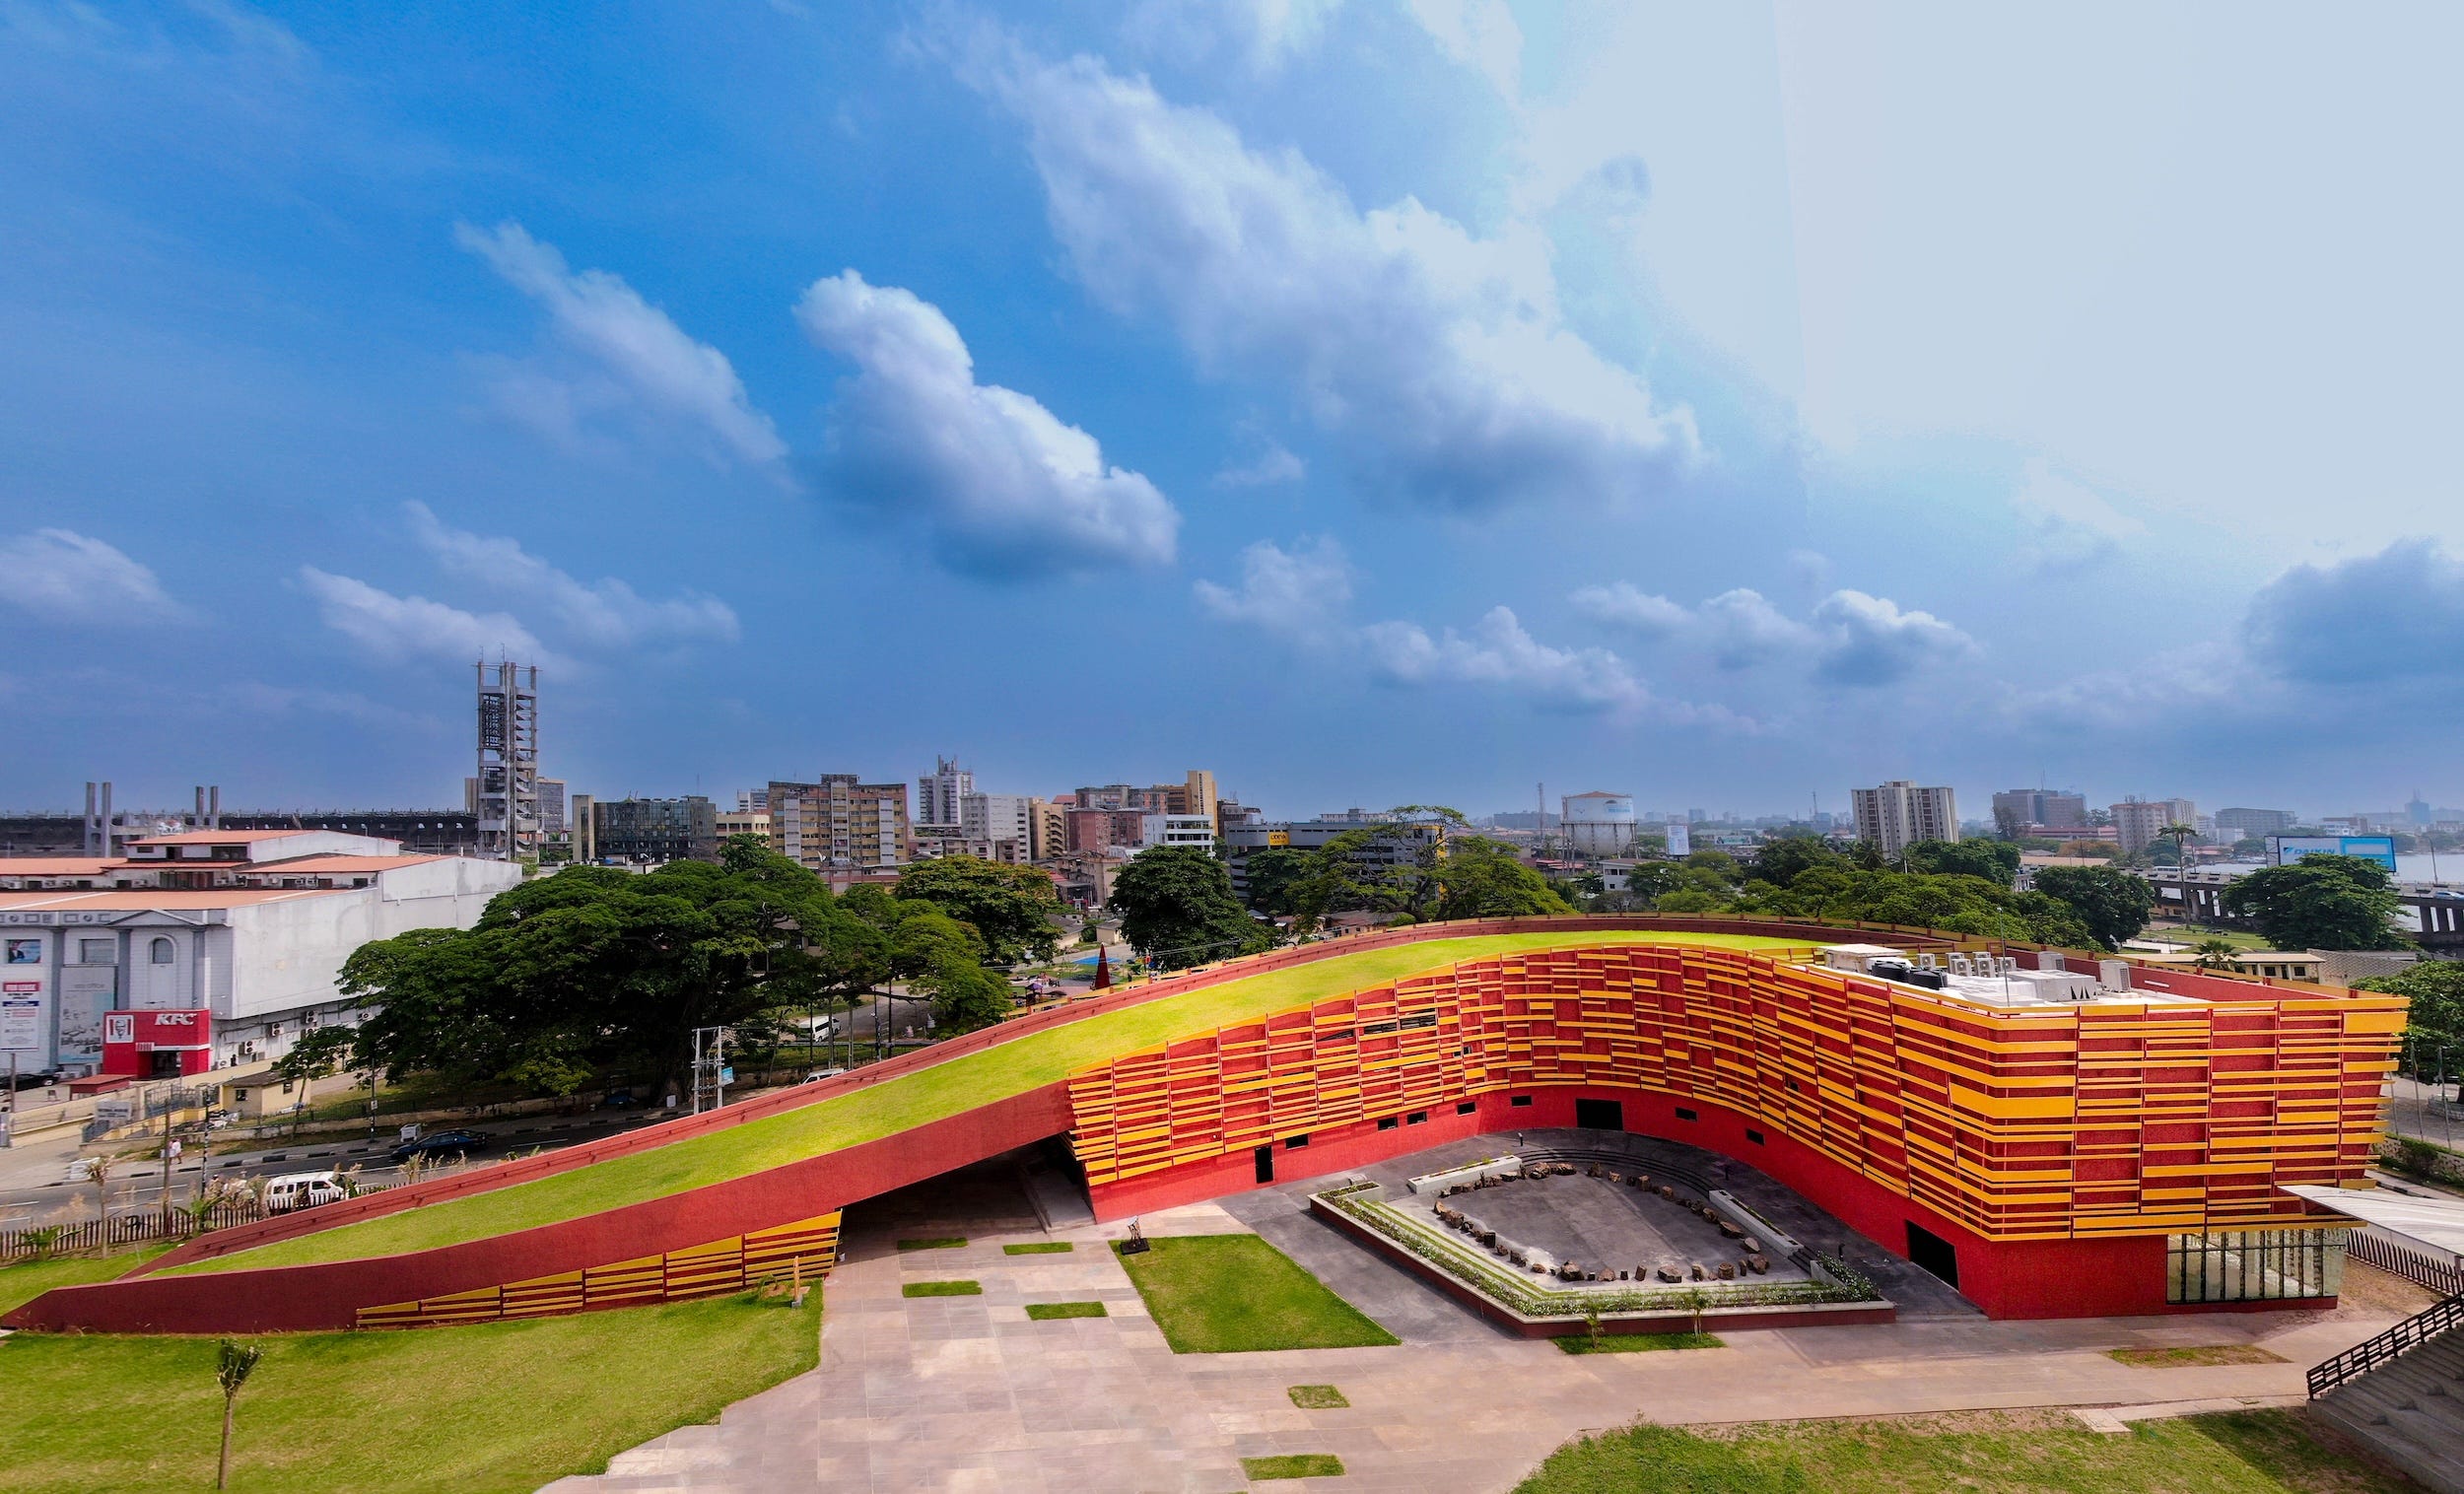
1388,1123
1295,1143
1519,1100
1754,1135
1468,1108
98,951
1682,1114
1417,1118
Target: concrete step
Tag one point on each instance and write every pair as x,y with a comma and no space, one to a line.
2433,1463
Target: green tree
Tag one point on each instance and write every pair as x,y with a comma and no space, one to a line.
1783,859
2435,988
233,1363
1996,861
1274,875
1176,907
317,1055
1689,900
2320,902
2214,954
965,997
2112,905
1011,907
1483,879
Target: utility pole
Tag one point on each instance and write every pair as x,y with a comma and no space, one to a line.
709,1058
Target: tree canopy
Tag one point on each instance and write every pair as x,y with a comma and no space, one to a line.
1996,861
2436,989
1177,908
2320,902
1010,908
2113,905
1396,870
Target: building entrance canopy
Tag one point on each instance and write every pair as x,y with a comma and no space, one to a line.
2434,1224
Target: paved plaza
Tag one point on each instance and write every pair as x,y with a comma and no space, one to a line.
968,1394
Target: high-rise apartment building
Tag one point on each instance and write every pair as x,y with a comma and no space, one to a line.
1899,813
940,796
999,817
2016,809
1048,830
839,823
506,794
2246,824
2137,823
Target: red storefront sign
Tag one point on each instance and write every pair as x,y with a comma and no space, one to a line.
157,1044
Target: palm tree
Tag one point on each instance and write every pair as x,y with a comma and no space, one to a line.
2215,954
233,1364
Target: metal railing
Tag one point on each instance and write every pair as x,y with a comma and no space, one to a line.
2411,1333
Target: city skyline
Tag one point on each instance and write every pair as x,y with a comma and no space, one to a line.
1379,404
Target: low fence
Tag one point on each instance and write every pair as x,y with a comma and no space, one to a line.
137,1227
2419,1268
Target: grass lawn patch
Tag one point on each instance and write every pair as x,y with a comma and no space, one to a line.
1636,1343
1317,1397
2203,1355
937,1243
942,1289
2041,1453
1045,1312
1231,1293
909,1101
1040,1248
26,1280
1293,1465
499,1407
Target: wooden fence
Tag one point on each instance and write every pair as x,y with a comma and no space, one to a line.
2442,1276
132,1227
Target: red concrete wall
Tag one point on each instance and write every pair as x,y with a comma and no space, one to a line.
330,1295
2122,1276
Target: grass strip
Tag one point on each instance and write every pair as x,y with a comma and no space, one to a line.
2270,1451
2192,1357
1235,1294
26,1280
493,1409
1637,1343
1040,1248
906,1101
1046,1311
1293,1465
937,1243
1317,1397
942,1289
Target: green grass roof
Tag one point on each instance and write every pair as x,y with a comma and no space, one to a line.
896,1105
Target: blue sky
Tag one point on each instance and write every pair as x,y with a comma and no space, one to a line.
1370,401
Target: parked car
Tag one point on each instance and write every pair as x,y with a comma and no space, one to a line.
823,1073
292,1191
443,1143
80,1170
620,1099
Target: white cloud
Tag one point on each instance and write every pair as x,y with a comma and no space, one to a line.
1264,34
1301,593
1851,639
1004,483
2070,524
1480,33
1439,364
63,577
2387,619
1868,641
1499,651
608,614
1269,464
400,628
640,352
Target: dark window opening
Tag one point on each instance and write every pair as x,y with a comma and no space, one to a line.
1388,1123
1792,1087
1682,1114
1519,1100
1933,1253
1599,1115
1754,1135
1468,1108
1294,1143
1264,1159
1417,1118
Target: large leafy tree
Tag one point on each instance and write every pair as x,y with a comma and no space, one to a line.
2436,989
1011,907
1275,874
2112,903
1396,872
1177,908
2320,903
594,966
1994,861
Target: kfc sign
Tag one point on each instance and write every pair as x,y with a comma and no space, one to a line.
119,1027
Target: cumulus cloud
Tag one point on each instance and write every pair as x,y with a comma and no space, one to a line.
606,614
1300,594
62,576
1868,641
1478,33
1262,35
1499,651
639,353
2373,620
401,628
1002,482
1439,364
1851,639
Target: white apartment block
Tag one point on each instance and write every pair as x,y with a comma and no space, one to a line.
2138,822
1899,813
941,794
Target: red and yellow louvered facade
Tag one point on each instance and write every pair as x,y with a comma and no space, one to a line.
2129,1117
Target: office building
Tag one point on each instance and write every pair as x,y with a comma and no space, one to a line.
1898,814
1402,842
2246,824
839,823
742,821
2021,811
506,798
654,832
2138,822
1197,830
941,795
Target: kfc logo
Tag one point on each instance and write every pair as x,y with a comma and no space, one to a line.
119,1028
174,1019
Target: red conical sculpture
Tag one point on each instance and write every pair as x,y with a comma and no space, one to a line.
1103,971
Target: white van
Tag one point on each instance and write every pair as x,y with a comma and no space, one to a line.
298,1190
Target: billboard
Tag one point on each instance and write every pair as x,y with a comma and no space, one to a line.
2284,849
1680,839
